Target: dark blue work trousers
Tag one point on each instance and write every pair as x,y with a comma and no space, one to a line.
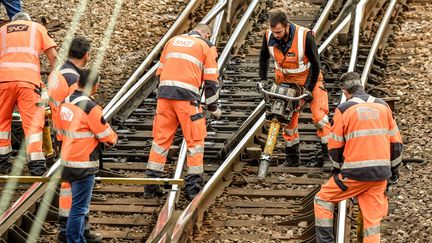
12,7
81,196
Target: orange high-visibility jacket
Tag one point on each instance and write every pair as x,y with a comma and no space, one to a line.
186,62
83,128
21,44
61,84
294,66
364,140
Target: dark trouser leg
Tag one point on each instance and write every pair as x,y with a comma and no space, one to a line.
81,196
151,191
292,156
194,184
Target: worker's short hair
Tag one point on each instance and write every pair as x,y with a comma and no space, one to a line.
88,79
78,48
203,28
278,16
21,16
350,82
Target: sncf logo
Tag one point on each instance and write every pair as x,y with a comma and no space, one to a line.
66,114
17,27
366,113
179,41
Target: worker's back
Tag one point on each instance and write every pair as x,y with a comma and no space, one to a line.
21,43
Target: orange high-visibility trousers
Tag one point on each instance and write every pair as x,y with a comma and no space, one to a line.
65,199
169,114
371,198
319,109
27,97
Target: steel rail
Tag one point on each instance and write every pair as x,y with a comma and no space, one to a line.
192,209
32,191
167,212
377,41
342,206
356,36
323,17
153,54
335,32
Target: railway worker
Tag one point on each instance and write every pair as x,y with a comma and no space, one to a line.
62,83
296,59
12,7
187,62
20,84
365,147
83,128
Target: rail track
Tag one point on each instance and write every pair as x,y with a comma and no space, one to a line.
240,207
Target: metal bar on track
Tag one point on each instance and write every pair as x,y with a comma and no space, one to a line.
116,180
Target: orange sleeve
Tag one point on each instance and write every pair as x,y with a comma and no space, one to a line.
47,41
100,127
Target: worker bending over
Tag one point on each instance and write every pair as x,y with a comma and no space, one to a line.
187,62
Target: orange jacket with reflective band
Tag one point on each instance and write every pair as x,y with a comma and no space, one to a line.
293,67
364,140
186,62
83,128
61,84
21,43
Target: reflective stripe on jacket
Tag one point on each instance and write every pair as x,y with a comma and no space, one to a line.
21,43
83,128
364,140
292,67
187,62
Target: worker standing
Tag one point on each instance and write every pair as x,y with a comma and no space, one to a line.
12,7
187,62
296,59
83,128
20,84
365,147
62,83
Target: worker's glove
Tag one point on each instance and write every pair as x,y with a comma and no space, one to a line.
217,113
335,171
394,177
308,98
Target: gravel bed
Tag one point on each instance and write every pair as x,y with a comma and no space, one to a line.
409,77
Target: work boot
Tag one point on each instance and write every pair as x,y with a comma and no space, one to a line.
5,164
92,237
151,191
37,167
194,183
292,155
322,159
